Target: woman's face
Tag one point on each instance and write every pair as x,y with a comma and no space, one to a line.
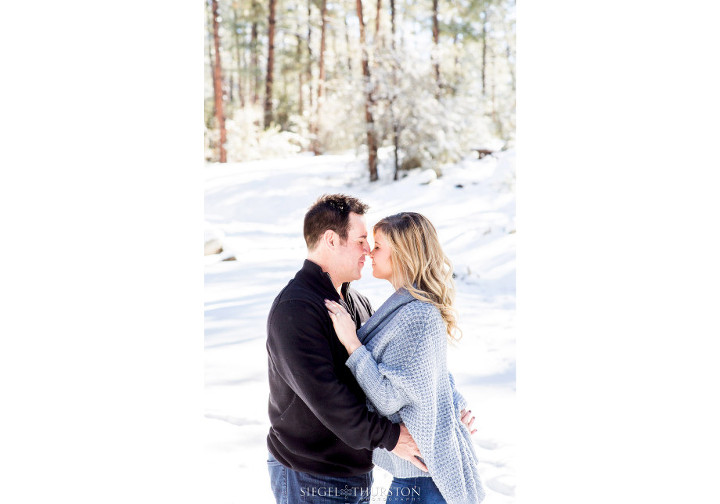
381,263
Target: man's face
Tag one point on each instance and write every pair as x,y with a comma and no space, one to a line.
350,256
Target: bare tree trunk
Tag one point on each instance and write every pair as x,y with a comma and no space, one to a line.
369,102
436,40
334,38
269,72
321,66
333,34
254,62
484,48
510,66
395,125
347,43
392,23
301,75
496,120
377,22
509,31
238,59
211,60
311,108
456,61
218,83
321,76
310,58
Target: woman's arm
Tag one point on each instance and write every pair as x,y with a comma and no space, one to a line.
386,384
383,383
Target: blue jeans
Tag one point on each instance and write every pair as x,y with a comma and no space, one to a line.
295,487
414,491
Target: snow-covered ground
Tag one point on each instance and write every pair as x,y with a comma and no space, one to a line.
258,207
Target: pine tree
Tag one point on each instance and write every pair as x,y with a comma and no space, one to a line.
369,101
219,115
268,111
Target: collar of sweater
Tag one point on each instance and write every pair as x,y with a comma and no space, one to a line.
314,276
384,314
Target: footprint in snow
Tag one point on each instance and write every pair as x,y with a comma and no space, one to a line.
501,484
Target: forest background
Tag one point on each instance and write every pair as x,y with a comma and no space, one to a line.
433,81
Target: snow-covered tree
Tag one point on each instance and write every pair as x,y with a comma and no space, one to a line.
439,78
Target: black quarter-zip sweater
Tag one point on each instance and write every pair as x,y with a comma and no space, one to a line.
319,421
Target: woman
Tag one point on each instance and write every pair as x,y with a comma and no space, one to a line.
399,359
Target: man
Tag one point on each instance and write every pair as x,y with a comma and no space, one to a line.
322,435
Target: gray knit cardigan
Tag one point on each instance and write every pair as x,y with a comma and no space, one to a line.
402,368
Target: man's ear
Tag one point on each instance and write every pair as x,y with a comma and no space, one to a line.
330,238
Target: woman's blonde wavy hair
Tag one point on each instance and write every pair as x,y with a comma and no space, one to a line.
420,265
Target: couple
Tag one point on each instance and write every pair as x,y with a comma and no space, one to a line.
349,388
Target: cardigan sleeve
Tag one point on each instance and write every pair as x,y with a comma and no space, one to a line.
402,376
379,384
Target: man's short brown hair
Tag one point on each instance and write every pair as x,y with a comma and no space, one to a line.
330,211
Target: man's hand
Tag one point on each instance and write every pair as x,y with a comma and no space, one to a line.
407,449
467,420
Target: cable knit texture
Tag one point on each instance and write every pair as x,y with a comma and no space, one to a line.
402,368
